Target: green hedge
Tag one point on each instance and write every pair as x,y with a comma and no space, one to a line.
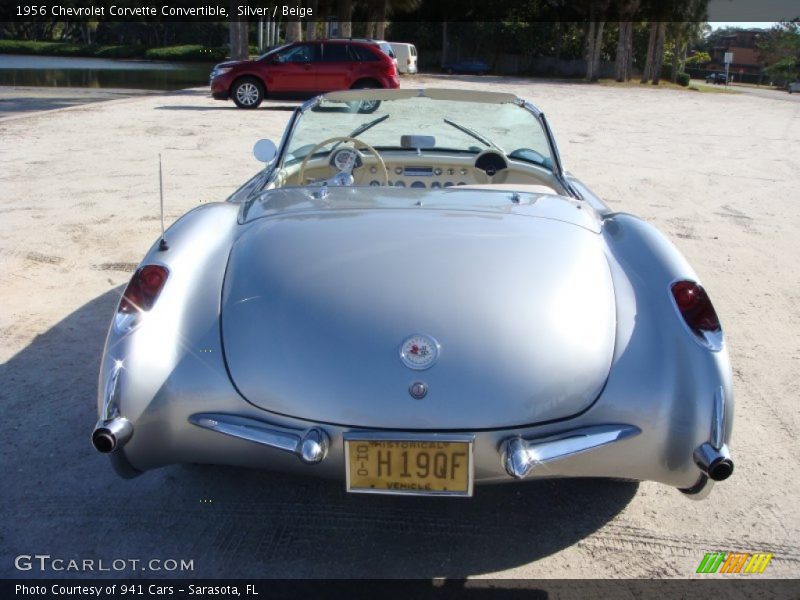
188,52
120,52
683,79
43,48
176,53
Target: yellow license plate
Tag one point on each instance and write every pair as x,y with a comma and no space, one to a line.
418,466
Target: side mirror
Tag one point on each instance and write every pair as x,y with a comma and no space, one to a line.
265,151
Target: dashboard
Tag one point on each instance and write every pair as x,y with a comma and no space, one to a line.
427,176
423,176
428,170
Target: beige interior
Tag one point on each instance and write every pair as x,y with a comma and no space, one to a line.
456,169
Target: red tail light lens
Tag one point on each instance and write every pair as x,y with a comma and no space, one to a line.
695,306
143,289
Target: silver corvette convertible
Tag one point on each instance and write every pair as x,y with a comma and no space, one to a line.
414,297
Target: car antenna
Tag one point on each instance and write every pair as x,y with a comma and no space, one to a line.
162,245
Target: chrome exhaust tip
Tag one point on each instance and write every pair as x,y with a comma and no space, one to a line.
109,436
716,464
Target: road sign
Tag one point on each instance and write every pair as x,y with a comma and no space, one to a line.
728,61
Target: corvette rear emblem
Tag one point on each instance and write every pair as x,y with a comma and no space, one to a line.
419,352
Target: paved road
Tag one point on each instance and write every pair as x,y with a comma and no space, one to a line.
761,92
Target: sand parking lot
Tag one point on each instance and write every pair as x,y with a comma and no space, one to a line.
79,207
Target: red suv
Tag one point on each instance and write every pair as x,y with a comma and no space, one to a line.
304,68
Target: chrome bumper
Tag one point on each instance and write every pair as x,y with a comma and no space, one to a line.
310,446
521,456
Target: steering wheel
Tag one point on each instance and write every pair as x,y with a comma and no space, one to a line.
342,139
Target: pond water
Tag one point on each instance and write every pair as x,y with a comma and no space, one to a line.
57,71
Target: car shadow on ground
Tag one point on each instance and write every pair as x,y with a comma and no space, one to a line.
495,79
63,499
281,107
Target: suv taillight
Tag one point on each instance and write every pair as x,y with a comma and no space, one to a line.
695,306
143,289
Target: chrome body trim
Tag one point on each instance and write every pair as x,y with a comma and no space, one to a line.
111,394
310,446
284,144
558,167
521,456
401,436
713,457
718,419
111,431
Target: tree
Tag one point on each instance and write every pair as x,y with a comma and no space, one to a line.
240,49
647,72
779,52
624,59
345,14
594,44
239,38
682,34
658,52
374,8
378,12
597,11
294,31
311,24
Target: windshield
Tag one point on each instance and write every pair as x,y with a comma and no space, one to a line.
454,126
273,51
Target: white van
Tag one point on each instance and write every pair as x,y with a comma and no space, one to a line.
406,55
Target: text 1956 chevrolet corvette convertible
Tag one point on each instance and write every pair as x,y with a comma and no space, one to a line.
415,300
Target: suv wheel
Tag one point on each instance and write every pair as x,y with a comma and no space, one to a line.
367,106
248,92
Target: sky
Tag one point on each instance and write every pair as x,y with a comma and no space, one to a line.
742,25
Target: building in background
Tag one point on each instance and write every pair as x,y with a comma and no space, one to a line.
743,45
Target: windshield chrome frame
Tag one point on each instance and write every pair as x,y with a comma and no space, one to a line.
558,169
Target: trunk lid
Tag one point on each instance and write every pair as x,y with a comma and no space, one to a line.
316,306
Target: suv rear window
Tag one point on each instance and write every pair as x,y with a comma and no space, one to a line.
363,54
